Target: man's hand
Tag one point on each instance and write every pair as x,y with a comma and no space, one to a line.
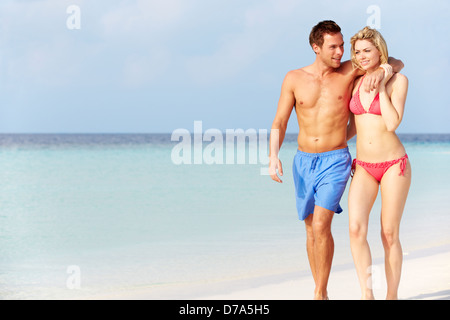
275,164
372,80
380,77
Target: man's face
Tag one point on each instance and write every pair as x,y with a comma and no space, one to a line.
332,50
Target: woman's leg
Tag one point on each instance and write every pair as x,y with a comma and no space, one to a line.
394,191
362,194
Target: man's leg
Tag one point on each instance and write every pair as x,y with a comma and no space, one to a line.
310,246
323,250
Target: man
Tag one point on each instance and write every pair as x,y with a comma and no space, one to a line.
320,94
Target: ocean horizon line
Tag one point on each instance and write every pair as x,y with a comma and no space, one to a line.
169,133
445,135
166,139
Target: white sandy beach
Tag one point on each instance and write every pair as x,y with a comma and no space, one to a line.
425,277
422,278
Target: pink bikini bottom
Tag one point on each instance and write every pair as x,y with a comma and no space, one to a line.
377,170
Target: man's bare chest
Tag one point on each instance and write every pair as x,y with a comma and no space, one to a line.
322,93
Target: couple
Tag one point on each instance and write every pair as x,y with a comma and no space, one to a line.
333,102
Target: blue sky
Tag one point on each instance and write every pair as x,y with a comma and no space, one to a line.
138,66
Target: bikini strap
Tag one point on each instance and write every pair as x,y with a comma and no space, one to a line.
362,79
403,165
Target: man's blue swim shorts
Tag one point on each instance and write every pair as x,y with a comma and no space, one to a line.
320,180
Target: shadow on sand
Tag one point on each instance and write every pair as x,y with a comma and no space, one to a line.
439,295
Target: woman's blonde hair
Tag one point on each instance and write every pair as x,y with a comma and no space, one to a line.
375,38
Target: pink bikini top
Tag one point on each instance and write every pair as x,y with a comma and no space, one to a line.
357,108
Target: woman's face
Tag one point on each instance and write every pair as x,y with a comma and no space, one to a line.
367,55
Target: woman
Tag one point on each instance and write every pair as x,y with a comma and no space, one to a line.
381,161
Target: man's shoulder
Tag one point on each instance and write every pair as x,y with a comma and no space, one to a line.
346,68
297,74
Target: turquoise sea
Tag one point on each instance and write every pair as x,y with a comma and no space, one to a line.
91,214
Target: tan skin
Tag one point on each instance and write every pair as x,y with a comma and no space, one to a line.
320,94
377,142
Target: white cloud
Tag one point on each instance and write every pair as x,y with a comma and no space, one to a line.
146,17
139,30
140,70
36,46
236,51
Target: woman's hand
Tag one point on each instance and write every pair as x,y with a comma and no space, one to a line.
388,73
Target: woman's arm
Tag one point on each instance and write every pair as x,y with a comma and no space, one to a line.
351,127
392,105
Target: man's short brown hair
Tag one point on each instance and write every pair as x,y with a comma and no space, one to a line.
322,28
